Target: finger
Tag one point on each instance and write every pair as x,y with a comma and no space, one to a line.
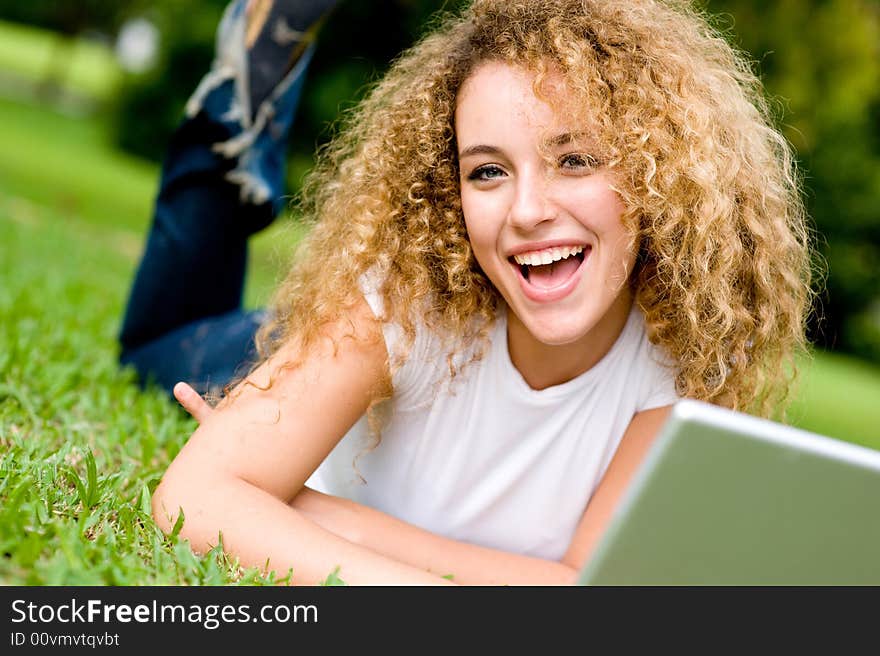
192,402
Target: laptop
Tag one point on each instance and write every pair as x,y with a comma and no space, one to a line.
724,498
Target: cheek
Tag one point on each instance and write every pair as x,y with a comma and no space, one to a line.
620,248
480,232
623,256
481,249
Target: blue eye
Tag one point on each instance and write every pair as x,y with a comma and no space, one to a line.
488,172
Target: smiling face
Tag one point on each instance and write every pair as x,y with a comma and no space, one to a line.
542,217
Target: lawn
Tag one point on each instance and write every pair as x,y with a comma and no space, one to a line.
81,447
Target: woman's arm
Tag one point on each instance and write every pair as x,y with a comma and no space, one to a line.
474,565
250,457
462,562
467,563
639,436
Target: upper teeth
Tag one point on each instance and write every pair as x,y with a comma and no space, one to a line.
547,256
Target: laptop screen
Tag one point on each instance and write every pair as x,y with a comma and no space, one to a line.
724,498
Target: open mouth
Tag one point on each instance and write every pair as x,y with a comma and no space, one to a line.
551,267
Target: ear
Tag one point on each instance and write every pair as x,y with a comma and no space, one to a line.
192,402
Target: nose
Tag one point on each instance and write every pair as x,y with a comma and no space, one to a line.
531,204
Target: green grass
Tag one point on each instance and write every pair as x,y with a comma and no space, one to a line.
68,165
81,447
839,396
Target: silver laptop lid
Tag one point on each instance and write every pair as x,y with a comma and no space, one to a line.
724,498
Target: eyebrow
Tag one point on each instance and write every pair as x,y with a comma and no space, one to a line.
559,140
479,149
566,138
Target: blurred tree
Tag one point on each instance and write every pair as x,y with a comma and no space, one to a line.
67,19
150,104
821,60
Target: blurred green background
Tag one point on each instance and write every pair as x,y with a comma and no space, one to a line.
90,92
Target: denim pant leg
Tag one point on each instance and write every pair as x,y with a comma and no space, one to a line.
222,180
207,353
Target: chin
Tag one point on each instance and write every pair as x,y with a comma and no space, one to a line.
557,333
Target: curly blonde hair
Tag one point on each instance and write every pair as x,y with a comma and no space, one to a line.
711,190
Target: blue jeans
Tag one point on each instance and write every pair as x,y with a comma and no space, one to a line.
222,180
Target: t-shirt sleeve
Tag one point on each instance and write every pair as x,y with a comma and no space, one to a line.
658,383
409,365
370,284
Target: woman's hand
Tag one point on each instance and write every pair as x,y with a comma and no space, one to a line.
192,402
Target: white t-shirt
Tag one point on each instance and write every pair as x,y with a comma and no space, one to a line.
484,458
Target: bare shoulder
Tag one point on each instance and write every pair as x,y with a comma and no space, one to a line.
279,424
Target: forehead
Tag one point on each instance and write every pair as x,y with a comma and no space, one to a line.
499,97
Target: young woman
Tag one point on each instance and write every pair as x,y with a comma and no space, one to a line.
548,222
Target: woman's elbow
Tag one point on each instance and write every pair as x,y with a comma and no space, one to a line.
565,574
177,502
166,506
182,492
